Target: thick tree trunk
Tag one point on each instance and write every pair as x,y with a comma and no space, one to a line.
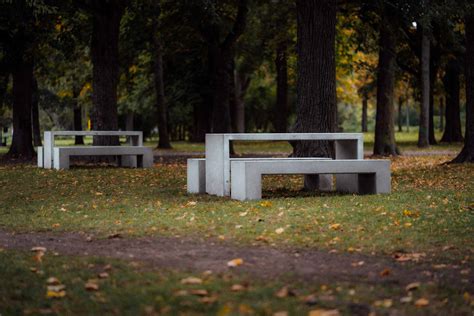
467,153
316,109
452,130
162,107
365,101
22,142
129,126
35,115
105,60
424,122
221,83
281,109
399,118
384,125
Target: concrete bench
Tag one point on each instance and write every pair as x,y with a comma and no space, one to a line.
373,176
144,155
196,172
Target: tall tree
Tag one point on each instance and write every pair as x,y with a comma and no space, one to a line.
106,16
162,108
424,123
316,108
467,153
384,124
35,115
451,80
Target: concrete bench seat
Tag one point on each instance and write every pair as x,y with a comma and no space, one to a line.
196,170
144,155
373,176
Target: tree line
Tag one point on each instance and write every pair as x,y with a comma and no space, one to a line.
193,67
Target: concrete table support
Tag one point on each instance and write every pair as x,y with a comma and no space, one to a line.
143,155
373,176
218,173
196,175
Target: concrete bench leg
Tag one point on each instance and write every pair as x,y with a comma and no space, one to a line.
128,161
39,152
147,159
375,183
246,184
61,160
196,176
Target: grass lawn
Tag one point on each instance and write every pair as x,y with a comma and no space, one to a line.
430,213
132,289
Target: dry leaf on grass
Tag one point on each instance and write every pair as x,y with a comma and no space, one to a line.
235,262
324,312
191,280
421,302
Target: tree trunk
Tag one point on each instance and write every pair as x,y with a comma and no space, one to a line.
424,124
316,109
105,60
434,62
441,114
35,115
22,142
221,83
281,65
79,140
241,84
365,101
400,118
384,125
452,130
162,107
467,153
129,126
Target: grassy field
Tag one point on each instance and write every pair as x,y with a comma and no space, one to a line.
430,212
131,289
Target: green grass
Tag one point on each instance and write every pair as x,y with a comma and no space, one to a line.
439,198
133,289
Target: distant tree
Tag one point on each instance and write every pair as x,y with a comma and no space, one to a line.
452,131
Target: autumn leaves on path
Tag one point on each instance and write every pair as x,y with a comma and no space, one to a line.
193,255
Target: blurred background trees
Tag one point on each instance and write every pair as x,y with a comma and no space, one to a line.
180,69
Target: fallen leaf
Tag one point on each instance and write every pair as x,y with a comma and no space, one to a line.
387,303
103,275
279,230
200,292
191,280
91,285
237,288
280,313
235,262
385,272
406,299
412,286
53,281
41,249
53,294
284,292
421,302
336,226
266,204
402,257
208,299
324,312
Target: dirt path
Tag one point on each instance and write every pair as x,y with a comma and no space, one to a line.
263,262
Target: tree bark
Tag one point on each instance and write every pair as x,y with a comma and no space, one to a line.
399,118
452,131
434,65
441,114
365,101
241,82
161,105
384,144
105,59
424,123
467,153
79,140
22,142
316,109
35,115
281,109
